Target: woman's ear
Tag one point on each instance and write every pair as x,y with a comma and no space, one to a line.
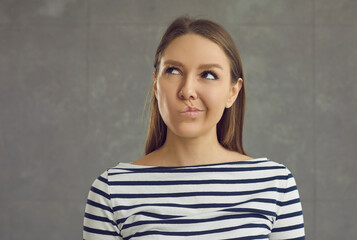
233,92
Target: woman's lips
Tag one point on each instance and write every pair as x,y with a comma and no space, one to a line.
191,112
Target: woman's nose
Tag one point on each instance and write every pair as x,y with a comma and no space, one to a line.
188,89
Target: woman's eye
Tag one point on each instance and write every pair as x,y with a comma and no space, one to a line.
172,70
206,74
209,75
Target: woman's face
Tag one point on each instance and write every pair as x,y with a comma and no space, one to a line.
207,88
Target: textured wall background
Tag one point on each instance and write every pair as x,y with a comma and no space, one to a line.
73,82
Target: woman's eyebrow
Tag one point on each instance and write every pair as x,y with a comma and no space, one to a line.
208,65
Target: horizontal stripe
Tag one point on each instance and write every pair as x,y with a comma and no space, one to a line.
298,238
98,218
249,238
99,231
156,215
251,162
194,221
195,194
289,215
293,201
194,206
235,210
102,179
261,211
197,182
290,189
195,233
184,170
98,205
288,228
100,192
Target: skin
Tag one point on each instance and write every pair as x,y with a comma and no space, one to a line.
193,141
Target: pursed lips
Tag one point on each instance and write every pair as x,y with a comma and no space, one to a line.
191,112
191,109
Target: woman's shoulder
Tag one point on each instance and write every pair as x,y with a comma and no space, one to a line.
150,159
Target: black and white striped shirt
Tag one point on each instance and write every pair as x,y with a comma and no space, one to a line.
251,199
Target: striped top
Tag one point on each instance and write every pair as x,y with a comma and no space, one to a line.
250,199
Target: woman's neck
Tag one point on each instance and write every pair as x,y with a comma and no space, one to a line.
184,151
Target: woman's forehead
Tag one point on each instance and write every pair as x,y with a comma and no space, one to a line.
193,49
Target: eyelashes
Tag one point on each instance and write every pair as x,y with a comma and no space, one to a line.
203,74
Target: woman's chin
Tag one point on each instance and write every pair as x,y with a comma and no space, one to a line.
187,131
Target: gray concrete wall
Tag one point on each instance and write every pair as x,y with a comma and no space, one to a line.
73,82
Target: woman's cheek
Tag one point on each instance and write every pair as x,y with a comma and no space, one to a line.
212,98
215,103
167,101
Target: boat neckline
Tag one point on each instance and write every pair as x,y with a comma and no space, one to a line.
199,165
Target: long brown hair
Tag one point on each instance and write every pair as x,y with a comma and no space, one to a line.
230,126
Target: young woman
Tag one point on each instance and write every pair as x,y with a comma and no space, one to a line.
195,181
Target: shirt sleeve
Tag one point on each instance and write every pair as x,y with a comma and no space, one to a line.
289,222
99,222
